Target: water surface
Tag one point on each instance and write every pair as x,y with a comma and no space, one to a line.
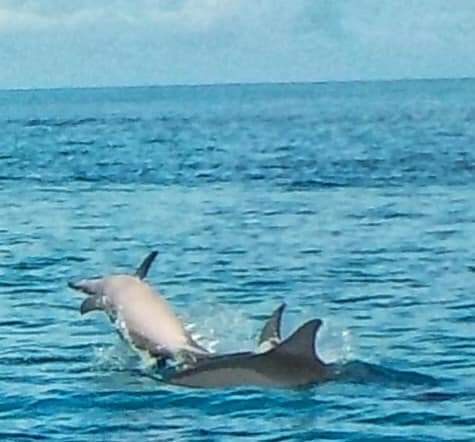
352,202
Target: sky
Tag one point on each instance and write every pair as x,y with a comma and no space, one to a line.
78,43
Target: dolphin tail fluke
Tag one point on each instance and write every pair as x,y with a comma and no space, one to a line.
301,343
270,335
142,270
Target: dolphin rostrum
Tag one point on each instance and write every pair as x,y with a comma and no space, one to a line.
142,314
290,363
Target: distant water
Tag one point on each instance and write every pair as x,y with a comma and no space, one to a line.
353,202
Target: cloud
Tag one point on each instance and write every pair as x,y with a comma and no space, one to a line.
30,16
198,15
57,42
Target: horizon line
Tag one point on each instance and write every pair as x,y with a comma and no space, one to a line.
233,83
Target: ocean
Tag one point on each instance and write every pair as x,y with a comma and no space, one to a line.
352,202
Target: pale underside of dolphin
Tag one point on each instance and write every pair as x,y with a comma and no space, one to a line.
292,362
144,317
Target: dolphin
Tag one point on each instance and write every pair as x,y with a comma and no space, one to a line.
288,363
292,362
144,317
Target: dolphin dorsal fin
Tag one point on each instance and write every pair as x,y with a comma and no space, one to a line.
142,270
302,342
270,334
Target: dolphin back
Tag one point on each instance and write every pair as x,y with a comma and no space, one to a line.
292,363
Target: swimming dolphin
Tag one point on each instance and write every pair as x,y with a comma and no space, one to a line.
290,363
144,317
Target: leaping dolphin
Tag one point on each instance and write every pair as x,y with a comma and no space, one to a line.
289,363
144,316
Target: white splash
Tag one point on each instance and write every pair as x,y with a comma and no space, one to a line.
335,344
115,356
210,342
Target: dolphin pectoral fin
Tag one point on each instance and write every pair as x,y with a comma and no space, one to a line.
301,343
270,335
91,303
142,270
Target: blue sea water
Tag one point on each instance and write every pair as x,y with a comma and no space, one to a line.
352,202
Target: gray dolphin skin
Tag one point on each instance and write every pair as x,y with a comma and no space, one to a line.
270,335
144,317
291,363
